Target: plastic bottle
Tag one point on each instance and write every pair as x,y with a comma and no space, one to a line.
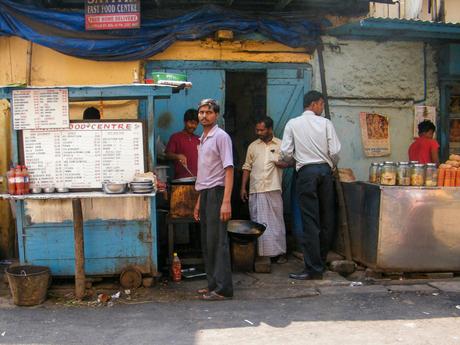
11,180
19,177
25,173
176,269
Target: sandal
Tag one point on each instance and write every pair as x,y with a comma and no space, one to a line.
202,291
214,296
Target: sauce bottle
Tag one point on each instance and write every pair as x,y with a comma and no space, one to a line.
25,173
176,269
11,180
19,177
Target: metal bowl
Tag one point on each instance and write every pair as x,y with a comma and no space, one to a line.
49,189
244,231
62,190
114,187
36,190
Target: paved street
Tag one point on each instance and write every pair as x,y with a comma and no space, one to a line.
339,315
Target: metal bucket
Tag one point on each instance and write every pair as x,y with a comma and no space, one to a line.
28,284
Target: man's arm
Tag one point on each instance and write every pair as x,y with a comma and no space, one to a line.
333,143
287,144
171,151
226,208
244,183
196,211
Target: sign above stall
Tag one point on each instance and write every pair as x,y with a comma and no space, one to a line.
40,109
85,155
112,14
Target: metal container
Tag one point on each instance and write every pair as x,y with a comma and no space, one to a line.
161,171
388,174
431,175
417,175
403,174
49,189
374,172
114,187
390,227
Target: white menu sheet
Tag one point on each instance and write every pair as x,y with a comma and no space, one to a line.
84,155
40,108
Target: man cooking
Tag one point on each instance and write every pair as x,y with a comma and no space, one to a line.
213,208
265,200
182,147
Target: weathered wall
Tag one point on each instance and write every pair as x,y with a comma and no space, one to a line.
367,69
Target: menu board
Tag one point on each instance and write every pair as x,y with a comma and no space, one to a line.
85,154
40,108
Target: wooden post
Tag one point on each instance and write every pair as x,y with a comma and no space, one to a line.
79,249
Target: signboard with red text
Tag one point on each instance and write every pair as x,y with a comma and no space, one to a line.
112,14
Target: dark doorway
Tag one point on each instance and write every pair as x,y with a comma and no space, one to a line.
245,102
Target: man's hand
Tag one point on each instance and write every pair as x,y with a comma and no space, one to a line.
282,164
225,211
244,195
196,211
182,159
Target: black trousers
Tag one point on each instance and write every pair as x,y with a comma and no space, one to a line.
215,242
316,193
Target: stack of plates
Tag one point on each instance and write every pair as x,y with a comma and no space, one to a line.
141,186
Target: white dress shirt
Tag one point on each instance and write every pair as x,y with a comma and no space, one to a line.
310,139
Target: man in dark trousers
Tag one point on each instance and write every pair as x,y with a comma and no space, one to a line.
213,208
312,141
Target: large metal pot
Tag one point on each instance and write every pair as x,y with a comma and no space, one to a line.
244,231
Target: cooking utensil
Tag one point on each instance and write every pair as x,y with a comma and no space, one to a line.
36,190
188,170
244,230
114,187
184,180
49,189
62,190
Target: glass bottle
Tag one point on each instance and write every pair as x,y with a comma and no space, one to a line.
374,173
431,175
403,174
388,174
417,175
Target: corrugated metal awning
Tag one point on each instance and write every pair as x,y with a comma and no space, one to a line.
397,29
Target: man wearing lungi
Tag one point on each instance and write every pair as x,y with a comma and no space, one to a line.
213,209
312,141
265,201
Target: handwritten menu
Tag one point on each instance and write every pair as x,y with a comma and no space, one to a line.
40,108
84,155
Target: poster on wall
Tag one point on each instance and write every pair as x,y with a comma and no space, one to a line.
375,134
112,14
40,109
422,113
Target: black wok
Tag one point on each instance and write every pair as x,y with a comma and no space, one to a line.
244,230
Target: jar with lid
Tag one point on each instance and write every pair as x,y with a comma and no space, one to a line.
403,174
417,175
374,173
431,175
388,174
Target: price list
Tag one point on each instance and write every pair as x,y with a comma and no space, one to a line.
84,155
40,108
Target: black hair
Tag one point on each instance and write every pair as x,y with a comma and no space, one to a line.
267,121
426,126
191,115
91,113
212,103
310,97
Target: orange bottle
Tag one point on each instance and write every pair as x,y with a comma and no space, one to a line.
25,173
176,269
441,176
19,180
11,180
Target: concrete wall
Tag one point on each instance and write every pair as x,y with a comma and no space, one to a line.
375,70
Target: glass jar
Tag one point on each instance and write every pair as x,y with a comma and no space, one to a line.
431,175
403,174
417,175
374,173
388,174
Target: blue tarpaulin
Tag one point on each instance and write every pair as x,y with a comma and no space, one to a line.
64,31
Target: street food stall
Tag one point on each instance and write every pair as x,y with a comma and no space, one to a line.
82,230
400,225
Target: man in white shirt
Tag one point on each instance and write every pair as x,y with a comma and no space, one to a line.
312,141
265,199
